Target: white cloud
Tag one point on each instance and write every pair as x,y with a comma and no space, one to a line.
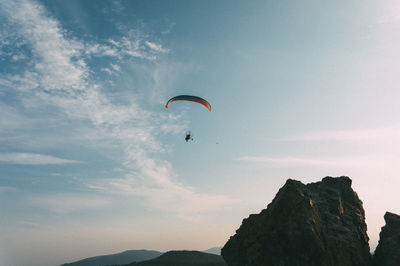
61,78
18,57
101,50
132,45
57,66
32,158
156,47
176,129
4,189
347,135
116,67
287,161
25,82
332,162
107,70
30,224
162,192
66,203
10,118
112,69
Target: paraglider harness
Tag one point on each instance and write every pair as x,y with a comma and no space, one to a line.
188,136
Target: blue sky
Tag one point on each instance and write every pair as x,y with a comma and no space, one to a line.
92,163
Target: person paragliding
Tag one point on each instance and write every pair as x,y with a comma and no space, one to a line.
191,99
188,136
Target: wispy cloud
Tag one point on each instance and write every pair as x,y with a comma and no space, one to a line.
65,203
347,135
6,189
156,47
332,162
32,158
58,67
287,161
18,57
61,78
169,26
113,69
132,45
162,192
107,70
116,67
10,118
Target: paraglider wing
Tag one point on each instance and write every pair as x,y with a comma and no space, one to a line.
189,98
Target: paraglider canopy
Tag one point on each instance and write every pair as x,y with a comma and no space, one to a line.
189,98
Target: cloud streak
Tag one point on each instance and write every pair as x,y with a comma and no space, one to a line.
286,161
4,189
333,162
61,78
156,47
347,135
33,159
66,203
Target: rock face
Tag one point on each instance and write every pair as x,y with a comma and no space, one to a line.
387,252
317,224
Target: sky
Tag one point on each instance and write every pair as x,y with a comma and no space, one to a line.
92,163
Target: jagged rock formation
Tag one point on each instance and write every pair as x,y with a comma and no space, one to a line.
318,224
387,252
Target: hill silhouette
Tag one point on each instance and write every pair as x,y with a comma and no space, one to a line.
183,258
214,250
119,258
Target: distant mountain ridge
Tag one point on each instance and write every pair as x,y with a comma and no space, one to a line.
214,250
125,257
183,258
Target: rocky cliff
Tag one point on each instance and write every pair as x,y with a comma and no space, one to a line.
387,252
316,224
